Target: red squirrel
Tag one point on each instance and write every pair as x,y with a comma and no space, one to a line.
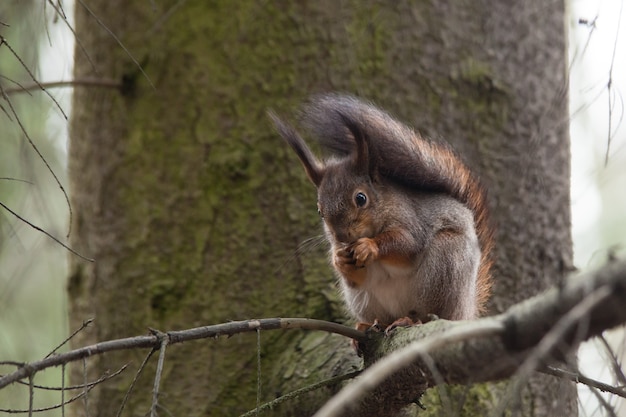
406,219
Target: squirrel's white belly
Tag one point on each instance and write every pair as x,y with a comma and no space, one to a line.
385,285
388,284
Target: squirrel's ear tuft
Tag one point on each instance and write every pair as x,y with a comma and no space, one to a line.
312,166
364,164
323,115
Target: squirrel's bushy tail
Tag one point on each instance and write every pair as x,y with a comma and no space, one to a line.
404,156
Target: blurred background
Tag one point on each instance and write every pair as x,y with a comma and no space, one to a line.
33,271
598,184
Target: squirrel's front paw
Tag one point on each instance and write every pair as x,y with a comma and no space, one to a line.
364,251
343,260
344,263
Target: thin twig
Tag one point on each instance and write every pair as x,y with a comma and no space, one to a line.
110,32
579,378
60,10
157,25
52,407
48,167
63,390
446,402
258,370
13,363
88,82
61,13
86,398
615,366
16,179
168,412
12,81
159,371
31,395
134,381
63,403
67,339
45,233
603,402
46,25
6,112
32,76
610,86
79,386
294,394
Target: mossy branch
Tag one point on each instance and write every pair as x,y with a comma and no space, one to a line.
538,331
401,366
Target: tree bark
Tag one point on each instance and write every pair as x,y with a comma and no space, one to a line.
194,209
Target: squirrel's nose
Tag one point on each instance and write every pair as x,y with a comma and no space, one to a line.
343,237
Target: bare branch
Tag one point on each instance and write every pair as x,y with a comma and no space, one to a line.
45,233
350,396
609,88
60,12
32,144
615,366
86,396
582,379
110,32
604,403
154,342
80,386
63,390
87,82
550,341
32,76
294,394
67,339
258,370
88,387
506,341
533,332
31,394
132,384
157,378
16,179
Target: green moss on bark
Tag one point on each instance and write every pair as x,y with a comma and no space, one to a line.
194,208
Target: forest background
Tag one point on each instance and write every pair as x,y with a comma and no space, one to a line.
33,269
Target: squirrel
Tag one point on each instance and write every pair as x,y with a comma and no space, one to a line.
407,220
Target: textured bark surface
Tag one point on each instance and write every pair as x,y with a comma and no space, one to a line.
194,209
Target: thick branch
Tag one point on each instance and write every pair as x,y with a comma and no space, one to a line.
533,332
488,349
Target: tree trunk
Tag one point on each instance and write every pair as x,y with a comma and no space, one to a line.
194,209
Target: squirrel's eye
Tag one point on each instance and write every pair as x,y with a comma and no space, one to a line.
319,211
360,199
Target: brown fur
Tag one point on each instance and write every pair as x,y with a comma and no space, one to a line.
413,225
